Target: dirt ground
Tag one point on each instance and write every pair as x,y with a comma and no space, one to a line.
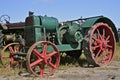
110,72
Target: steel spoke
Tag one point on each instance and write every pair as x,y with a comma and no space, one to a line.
42,66
3,57
99,35
44,49
109,46
36,62
94,47
12,61
52,65
98,54
108,37
39,55
52,53
103,33
11,49
110,54
107,54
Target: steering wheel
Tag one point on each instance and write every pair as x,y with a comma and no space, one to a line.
4,19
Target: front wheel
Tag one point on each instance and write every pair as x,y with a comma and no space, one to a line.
43,58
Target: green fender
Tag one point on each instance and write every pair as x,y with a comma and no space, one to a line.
91,21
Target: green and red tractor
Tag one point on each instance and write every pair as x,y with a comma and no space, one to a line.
40,40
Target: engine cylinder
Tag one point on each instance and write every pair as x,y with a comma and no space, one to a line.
49,23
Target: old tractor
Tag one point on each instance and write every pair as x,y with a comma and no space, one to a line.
40,40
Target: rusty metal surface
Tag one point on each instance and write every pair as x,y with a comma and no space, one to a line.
19,25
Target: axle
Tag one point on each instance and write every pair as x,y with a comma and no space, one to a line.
20,56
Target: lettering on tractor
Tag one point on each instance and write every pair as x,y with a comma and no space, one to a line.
40,40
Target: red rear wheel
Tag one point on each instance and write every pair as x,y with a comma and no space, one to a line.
43,58
100,45
7,55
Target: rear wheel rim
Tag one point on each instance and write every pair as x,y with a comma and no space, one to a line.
101,44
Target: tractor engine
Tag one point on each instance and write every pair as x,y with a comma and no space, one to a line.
73,33
40,28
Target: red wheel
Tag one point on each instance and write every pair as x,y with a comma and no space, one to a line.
43,58
100,45
7,55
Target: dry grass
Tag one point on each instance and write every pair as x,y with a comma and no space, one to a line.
8,72
117,52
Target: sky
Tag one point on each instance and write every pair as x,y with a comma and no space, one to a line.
63,10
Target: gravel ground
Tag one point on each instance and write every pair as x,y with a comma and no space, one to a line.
110,72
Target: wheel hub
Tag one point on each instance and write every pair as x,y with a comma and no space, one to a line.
103,45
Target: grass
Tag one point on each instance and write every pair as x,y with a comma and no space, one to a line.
8,72
67,61
117,52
